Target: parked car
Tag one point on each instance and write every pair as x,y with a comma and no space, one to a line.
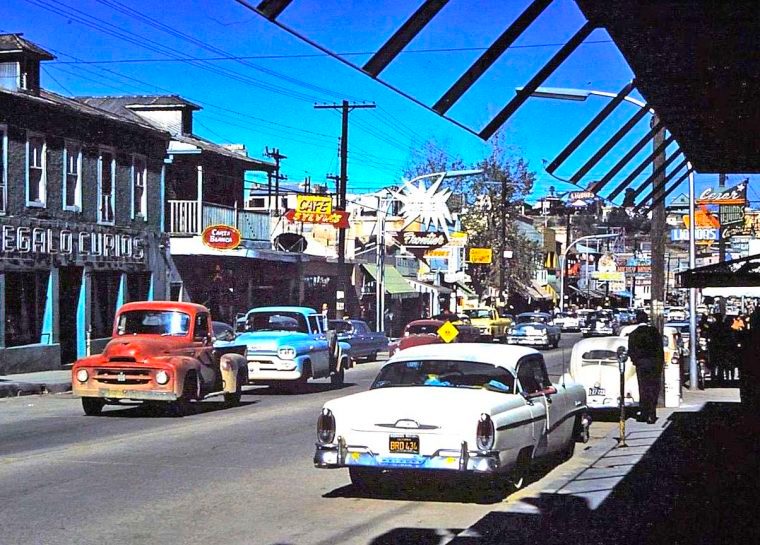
364,342
464,408
600,323
286,346
583,315
421,332
222,331
487,320
161,352
567,321
677,314
533,334
594,364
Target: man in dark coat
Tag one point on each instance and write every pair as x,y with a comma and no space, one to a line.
646,352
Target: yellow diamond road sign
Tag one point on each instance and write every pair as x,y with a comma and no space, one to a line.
448,332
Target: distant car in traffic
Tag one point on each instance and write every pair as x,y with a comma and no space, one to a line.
364,342
601,323
422,332
567,321
534,329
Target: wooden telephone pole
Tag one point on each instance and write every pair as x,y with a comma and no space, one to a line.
345,107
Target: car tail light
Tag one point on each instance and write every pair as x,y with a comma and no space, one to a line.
326,427
486,433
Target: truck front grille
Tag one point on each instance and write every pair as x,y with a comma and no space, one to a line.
122,376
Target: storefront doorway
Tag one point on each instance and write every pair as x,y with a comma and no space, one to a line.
70,284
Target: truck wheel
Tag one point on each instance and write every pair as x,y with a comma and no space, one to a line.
184,406
92,405
337,378
232,399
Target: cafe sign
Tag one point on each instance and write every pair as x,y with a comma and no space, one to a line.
317,209
221,237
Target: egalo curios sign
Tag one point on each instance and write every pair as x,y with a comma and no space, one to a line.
221,237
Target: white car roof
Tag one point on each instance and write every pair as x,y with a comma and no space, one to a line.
600,343
500,355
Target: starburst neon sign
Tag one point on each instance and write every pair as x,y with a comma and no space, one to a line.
428,205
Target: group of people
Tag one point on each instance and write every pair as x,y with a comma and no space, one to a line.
724,337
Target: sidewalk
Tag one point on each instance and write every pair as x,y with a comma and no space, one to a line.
44,382
690,478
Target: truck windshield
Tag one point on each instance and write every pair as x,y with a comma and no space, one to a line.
475,313
153,322
276,321
457,374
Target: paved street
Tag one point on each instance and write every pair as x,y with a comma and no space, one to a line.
244,473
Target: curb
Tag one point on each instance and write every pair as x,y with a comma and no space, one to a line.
16,389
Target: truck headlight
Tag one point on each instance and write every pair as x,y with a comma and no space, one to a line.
162,377
83,375
287,352
326,427
485,435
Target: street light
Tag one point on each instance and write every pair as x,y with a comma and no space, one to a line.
563,258
579,95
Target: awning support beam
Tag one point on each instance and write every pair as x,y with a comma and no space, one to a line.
604,150
536,81
491,55
401,38
589,128
639,169
271,9
627,158
660,170
667,191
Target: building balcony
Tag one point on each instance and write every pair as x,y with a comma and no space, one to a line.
187,218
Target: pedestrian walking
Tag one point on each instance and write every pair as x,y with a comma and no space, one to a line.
646,353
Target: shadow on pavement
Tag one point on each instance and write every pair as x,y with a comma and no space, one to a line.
696,484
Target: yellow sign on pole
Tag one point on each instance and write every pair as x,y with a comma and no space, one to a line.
480,255
448,332
317,204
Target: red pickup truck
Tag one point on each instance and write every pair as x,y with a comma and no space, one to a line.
161,352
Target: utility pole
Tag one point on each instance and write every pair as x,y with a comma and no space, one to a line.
503,246
721,239
345,107
277,156
658,231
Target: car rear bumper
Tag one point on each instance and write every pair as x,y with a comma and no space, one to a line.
606,402
463,460
530,341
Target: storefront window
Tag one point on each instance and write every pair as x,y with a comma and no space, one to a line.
105,290
24,306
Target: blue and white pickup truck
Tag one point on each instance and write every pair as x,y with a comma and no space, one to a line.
289,345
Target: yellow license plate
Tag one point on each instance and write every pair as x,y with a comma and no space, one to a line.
407,444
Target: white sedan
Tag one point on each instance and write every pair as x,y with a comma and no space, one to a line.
468,408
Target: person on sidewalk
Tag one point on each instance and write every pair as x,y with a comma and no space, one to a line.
646,353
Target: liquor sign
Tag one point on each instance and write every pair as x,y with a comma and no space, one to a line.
581,195
481,256
700,234
426,240
221,237
731,214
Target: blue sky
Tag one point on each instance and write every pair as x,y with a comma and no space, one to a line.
117,47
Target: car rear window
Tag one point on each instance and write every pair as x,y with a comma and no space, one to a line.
421,329
447,373
594,357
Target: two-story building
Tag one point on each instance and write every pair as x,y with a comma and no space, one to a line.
80,216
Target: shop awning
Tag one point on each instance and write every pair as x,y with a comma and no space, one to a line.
395,284
533,291
425,287
589,294
734,273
